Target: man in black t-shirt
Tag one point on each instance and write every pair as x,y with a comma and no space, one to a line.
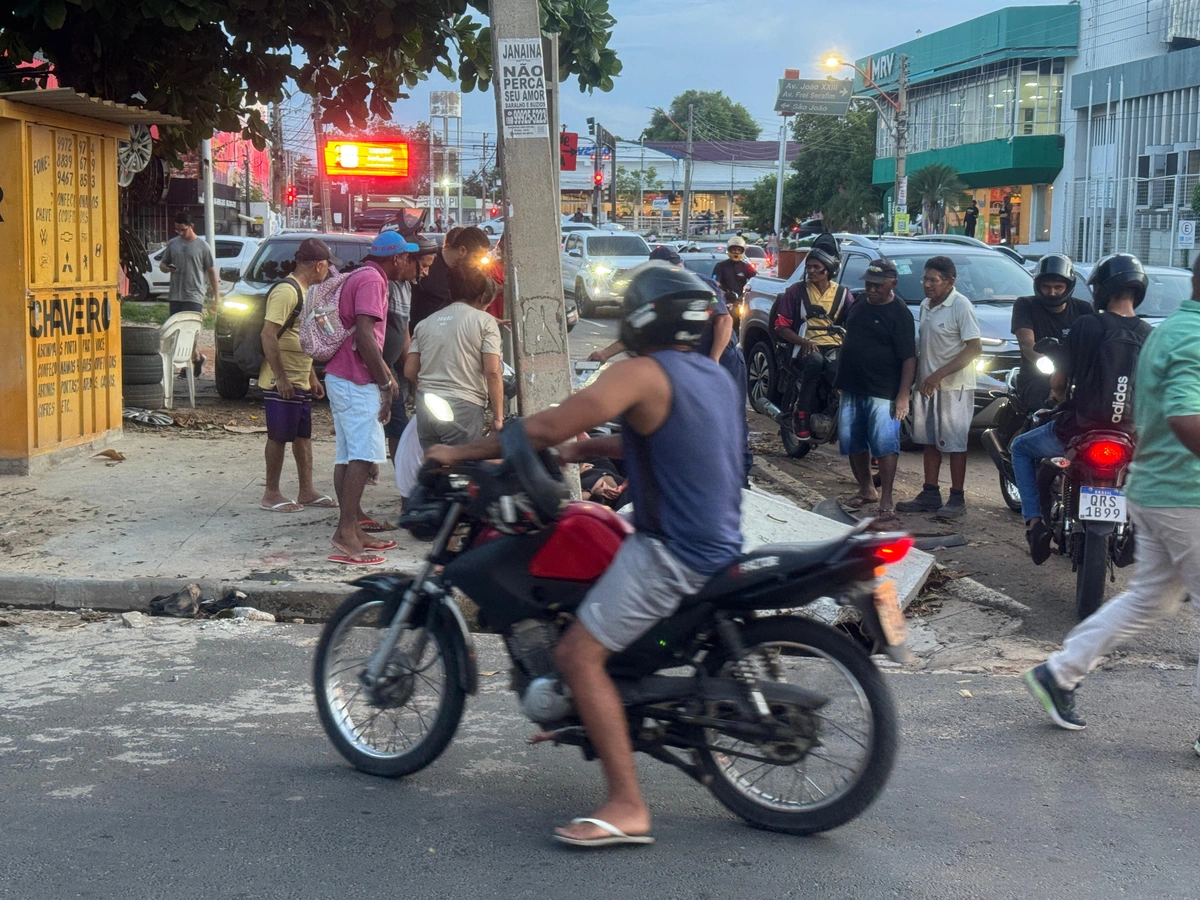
732,274
1049,313
432,292
875,375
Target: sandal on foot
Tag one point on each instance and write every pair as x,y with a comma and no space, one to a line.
322,502
613,837
854,501
360,559
370,526
279,507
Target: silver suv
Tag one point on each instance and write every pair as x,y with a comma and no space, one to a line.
591,260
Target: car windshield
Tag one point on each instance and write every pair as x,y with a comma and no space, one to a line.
700,266
276,259
1166,292
753,252
982,277
617,245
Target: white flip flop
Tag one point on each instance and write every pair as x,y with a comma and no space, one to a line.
615,835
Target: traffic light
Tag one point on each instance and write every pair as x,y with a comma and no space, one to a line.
494,211
592,125
290,197
598,179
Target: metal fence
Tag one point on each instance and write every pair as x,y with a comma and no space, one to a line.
1132,215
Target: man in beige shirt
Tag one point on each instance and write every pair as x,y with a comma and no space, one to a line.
454,362
948,343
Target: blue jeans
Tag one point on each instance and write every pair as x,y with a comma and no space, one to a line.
867,424
1041,443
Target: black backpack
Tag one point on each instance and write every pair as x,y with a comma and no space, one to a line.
1106,401
248,354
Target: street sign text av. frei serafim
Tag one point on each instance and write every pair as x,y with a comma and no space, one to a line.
819,96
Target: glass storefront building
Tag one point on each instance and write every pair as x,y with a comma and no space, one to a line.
985,97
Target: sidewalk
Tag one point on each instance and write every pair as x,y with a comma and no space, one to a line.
183,507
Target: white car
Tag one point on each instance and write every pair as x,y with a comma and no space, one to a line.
593,260
233,252
493,226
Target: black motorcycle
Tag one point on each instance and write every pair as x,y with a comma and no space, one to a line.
1013,418
786,720
822,419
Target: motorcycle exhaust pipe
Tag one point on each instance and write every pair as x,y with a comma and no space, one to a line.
767,408
991,444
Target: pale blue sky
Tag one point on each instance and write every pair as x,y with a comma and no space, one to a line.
739,47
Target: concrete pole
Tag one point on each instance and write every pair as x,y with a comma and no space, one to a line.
245,229
1087,183
901,185
210,218
685,210
637,216
779,180
533,290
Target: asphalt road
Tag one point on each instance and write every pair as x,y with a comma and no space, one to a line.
184,760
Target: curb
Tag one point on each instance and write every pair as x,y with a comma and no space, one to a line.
972,591
289,599
803,496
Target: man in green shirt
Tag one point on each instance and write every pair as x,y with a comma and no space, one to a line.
1164,503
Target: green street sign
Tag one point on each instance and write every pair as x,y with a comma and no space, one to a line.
820,96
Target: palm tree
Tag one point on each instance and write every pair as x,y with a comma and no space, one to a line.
938,189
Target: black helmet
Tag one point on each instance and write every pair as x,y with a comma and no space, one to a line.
1115,273
1056,267
825,251
666,254
664,305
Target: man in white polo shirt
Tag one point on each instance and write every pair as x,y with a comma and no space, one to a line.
948,343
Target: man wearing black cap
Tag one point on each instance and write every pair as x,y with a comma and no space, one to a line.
288,382
875,375
804,314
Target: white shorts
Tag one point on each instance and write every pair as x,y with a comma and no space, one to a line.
944,419
356,421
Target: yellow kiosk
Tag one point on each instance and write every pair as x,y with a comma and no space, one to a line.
60,328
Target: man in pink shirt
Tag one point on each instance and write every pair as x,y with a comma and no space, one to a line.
360,386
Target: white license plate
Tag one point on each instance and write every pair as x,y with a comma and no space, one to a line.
1102,504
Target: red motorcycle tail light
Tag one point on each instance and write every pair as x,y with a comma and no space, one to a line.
1105,454
895,551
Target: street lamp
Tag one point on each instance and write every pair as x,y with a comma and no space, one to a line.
900,104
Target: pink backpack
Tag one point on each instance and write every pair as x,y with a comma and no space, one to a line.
322,333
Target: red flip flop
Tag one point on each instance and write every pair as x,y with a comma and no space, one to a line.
360,560
370,526
387,545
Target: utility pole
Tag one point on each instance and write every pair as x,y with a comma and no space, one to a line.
533,292
612,186
246,189
637,216
320,185
779,179
210,218
277,166
685,211
596,171
900,189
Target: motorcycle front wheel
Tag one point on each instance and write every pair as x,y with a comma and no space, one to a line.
1010,492
1092,568
404,722
835,760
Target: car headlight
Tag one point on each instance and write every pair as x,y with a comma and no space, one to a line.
983,364
235,305
601,270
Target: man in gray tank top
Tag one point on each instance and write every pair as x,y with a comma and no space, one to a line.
672,403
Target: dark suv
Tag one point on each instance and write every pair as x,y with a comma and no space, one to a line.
270,264
990,280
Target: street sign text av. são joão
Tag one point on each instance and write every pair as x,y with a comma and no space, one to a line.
819,96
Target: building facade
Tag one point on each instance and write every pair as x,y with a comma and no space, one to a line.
986,97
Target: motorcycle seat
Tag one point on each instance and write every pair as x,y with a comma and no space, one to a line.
770,562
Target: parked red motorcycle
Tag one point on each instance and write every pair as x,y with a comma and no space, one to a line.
786,720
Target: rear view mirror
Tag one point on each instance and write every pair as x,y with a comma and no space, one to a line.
231,274
574,252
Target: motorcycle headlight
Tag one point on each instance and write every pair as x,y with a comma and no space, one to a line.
1045,365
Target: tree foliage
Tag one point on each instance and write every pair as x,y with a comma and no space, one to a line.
630,181
934,190
831,175
717,118
214,62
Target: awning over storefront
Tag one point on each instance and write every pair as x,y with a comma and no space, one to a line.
1028,159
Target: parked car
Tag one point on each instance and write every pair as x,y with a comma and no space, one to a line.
1169,287
590,262
493,226
569,227
974,242
233,252
990,280
757,256
240,305
374,219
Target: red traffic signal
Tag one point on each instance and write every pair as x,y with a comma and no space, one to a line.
598,179
494,211
290,196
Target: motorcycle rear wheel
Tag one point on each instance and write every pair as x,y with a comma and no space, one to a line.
808,652
1010,492
792,445
1092,568
405,724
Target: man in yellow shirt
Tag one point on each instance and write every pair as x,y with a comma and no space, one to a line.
288,381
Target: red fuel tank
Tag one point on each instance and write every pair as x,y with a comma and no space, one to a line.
584,542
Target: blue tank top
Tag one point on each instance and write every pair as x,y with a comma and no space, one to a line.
686,478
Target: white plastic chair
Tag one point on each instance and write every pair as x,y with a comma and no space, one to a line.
179,335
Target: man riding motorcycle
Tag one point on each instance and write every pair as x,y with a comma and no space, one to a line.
732,274
1049,313
667,398
1118,286
816,302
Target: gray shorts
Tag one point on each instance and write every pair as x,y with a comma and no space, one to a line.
644,584
944,419
466,427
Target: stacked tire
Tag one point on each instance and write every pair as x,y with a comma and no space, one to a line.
141,367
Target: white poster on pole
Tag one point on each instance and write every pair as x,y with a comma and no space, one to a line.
902,192
1186,237
521,81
